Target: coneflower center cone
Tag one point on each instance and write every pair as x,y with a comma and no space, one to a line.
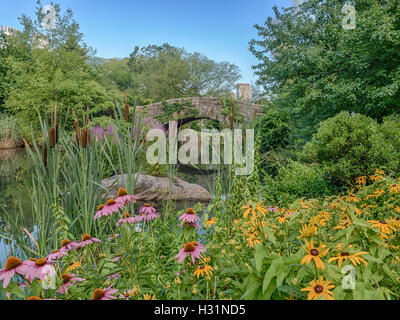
100,207
86,236
110,202
125,215
65,278
65,242
98,294
189,247
122,192
40,262
11,263
189,211
314,252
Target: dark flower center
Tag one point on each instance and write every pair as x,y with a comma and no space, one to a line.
190,211
100,207
98,294
33,298
110,202
40,262
122,192
86,236
125,215
202,267
318,289
189,247
65,242
383,222
147,205
314,252
344,254
65,278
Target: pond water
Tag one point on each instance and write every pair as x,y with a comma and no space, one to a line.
15,179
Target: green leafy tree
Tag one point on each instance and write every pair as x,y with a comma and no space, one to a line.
56,73
313,66
166,72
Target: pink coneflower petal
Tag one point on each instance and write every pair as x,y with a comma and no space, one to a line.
194,249
68,280
189,216
147,209
124,198
108,209
104,294
87,239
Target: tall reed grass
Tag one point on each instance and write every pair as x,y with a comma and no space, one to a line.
66,185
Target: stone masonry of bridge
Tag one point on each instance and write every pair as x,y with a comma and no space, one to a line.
209,108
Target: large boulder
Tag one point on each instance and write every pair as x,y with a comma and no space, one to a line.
149,188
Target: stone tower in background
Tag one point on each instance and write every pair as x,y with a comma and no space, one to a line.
243,91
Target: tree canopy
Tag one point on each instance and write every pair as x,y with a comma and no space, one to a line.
316,68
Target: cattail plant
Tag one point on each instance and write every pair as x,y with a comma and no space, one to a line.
126,108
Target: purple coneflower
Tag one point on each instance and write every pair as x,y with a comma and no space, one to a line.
87,239
189,216
126,218
114,275
34,268
147,212
193,248
113,236
124,198
190,224
104,294
57,254
108,209
13,266
68,280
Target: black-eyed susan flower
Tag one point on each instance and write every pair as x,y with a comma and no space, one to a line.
352,198
361,180
354,258
307,231
210,222
394,188
319,289
382,225
375,178
202,270
344,222
314,254
254,209
147,296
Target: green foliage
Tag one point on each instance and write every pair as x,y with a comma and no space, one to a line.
296,180
273,128
315,68
165,72
182,110
53,72
9,131
348,146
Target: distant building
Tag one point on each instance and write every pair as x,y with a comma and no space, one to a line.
243,91
8,31
39,40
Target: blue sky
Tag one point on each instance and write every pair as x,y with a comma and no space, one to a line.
220,29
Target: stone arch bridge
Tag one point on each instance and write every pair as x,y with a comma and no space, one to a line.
206,107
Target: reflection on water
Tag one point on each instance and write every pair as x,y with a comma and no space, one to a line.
15,175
